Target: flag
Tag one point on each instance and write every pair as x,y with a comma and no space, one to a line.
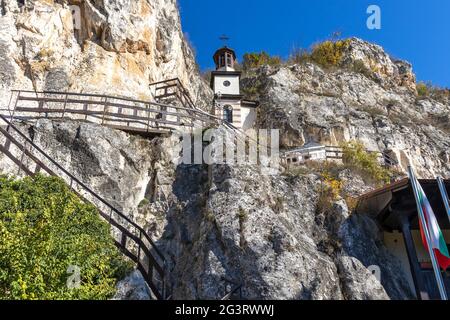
438,243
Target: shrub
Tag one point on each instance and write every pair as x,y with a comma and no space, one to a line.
427,89
254,60
330,192
143,203
329,53
359,67
299,56
44,229
423,89
357,158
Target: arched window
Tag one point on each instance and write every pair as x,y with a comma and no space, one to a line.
221,61
228,113
229,58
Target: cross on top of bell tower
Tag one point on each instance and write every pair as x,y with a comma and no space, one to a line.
224,38
225,57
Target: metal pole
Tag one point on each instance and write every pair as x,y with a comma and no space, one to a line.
436,268
444,194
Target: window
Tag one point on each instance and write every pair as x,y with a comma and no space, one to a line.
221,61
228,113
229,60
227,83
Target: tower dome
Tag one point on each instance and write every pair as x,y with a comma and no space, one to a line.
225,58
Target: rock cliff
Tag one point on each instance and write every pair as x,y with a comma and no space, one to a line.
222,225
369,97
112,47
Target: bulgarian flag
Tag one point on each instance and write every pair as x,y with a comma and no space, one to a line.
437,239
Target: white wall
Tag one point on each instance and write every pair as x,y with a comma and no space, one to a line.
232,89
248,118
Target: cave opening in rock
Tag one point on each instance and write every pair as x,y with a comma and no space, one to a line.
76,19
3,7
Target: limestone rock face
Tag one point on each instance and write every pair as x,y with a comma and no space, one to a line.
372,59
221,226
242,227
379,108
133,287
113,47
357,282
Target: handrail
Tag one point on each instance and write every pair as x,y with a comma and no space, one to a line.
181,88
138,240
116,98
156,118
73,177
164,81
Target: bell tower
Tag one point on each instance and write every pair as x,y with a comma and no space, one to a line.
225,80
229,104
225,58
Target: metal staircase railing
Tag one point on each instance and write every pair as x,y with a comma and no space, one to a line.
129,237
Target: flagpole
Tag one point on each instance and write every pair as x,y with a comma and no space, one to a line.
436,268
444,195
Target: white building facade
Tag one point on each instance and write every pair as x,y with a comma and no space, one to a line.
309,152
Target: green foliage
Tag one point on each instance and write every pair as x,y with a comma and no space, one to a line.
356,157
299,56
44,229
254,60
329,53
428,90
423,89
143,203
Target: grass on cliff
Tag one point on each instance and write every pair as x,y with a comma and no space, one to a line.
428,90
331,187
46,232
329,53
256,59
357,158
326,54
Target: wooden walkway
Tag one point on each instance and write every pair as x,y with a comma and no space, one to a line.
131,115
129,237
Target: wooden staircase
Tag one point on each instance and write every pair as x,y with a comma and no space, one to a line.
129,237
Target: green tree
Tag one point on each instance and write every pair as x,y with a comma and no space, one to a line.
44,229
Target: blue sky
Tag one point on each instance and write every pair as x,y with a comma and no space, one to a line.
412,30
